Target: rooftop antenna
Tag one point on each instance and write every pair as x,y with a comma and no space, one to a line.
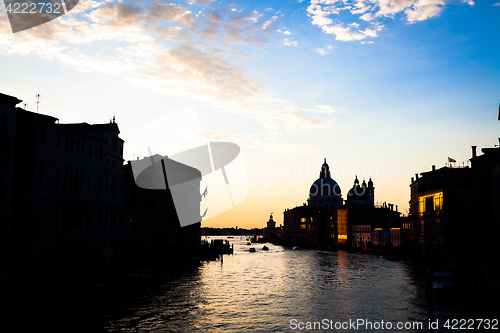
37,101
25,105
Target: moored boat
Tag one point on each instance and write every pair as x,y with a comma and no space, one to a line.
445,280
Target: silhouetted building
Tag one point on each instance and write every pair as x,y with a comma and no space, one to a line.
455,216
440,214
155,234
362,236
270,232
360,214
76,213
485,203
68,208
362,194
327,222
7,124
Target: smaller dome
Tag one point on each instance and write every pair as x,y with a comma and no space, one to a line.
357,191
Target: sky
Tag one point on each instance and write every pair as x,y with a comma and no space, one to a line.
382,89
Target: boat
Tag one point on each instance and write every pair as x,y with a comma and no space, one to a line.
444,280
265,248
252,249
248,243
296,248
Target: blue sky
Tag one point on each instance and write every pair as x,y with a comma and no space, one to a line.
381,88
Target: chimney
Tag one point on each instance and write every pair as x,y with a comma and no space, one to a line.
416,176
433,168
412,179
474,151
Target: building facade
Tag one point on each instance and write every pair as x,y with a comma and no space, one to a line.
7,130
328,221
75,210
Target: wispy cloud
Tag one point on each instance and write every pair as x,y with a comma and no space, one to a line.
162,42
184,50
328,15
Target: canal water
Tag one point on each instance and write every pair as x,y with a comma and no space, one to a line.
270,291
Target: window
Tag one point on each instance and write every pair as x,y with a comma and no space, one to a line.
72,145
66,144
58,141
100,154
90,150
83,148
77,147
429,204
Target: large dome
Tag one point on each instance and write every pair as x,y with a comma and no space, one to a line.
324,187
325,192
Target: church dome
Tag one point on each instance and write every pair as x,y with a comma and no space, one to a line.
356,190
325,192
324,187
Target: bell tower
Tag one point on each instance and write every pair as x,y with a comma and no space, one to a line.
371,194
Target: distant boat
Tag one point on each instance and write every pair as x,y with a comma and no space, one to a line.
444,280
252,249
248,243
265,248
296,248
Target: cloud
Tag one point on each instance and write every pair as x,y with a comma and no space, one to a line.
152,43
369,14
321,51
170,48
496,4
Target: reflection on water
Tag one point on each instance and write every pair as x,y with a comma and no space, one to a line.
265,290
257,292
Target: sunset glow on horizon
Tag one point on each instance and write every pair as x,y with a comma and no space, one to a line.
382,89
